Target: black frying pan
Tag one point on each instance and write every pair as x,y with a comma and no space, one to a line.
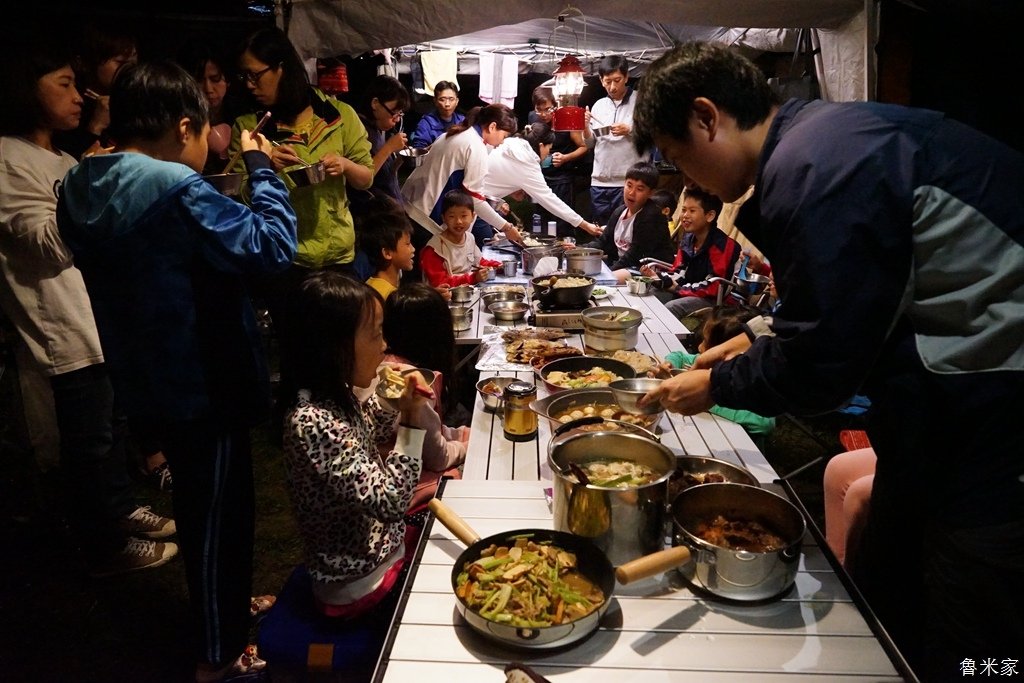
591,562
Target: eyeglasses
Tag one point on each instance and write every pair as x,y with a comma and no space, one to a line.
253,77
546,110
391,112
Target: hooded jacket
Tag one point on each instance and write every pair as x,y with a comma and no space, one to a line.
163,254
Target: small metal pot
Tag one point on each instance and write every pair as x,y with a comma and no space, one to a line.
310,174
462,294
625,523
531,256
584,260
509,311
228,184
462,318
412,156
738,574
611,328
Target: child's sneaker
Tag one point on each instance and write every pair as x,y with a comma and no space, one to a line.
147,524
137,554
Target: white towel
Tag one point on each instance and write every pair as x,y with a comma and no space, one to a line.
499,78
439,65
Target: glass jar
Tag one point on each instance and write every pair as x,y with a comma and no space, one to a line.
520,422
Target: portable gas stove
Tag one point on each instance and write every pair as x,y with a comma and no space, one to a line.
566,319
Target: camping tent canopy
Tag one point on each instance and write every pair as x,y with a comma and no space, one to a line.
325,28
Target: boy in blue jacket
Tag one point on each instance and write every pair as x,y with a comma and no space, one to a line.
163,255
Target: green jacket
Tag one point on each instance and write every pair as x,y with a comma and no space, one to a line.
753,423
326,232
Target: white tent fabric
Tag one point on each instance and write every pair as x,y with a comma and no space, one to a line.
529,29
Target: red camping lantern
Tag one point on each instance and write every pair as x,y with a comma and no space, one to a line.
569,84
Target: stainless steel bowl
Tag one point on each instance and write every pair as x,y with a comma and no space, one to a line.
462,318
462,294
305,176
428,377
494,297
229,184
628,393
413,156
509,311
493,402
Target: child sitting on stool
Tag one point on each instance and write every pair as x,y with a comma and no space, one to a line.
450,258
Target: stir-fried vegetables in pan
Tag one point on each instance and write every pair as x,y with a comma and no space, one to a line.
527,585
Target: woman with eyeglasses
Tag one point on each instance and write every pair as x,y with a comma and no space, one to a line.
433,125
383,105
306,126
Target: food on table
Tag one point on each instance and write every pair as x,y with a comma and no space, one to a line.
739,534
527,585
582,379
598,291
681,481
561,283
523,333
492,388
392,382
491,289
640,362
543,359
616,473
527,350
610,412
531,242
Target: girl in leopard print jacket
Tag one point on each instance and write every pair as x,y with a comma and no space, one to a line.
349,499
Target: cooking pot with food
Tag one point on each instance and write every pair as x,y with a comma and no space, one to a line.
561,291
622,508
584,260
611,328
744,541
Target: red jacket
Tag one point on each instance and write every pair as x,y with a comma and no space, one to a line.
435,269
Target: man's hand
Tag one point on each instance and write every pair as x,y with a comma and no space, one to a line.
727,350
688,393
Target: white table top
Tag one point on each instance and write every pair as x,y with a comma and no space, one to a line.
657,318
656,630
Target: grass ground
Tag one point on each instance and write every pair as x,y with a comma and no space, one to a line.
59,625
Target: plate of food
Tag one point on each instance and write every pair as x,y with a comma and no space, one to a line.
600,293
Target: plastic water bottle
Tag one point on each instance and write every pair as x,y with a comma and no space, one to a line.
536,222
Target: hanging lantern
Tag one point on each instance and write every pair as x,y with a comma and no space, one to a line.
569,84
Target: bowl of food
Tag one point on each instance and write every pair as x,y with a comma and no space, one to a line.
492,390
392,383
628,393
577,404
509,311
583,372
307,175
228,184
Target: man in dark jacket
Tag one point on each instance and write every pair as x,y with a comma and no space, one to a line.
896,237
637,229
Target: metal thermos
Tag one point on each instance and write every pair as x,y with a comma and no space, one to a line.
536,223
520,421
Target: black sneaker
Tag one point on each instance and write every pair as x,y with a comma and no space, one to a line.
147,524
159,478
137,554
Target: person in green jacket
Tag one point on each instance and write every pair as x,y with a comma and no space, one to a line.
724,323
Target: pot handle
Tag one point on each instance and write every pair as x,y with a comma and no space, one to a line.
583,421
453,522
649,565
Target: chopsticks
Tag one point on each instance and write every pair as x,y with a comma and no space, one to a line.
91,94
236,155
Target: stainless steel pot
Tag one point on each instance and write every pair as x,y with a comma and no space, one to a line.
624,523
734,574
584,260
531,256
462,318
611,328
462,294
413,156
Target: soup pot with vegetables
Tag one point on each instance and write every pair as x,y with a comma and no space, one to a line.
622,508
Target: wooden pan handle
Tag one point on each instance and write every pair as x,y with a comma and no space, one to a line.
649,565
453,522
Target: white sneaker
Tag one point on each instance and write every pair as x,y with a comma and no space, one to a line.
137,554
